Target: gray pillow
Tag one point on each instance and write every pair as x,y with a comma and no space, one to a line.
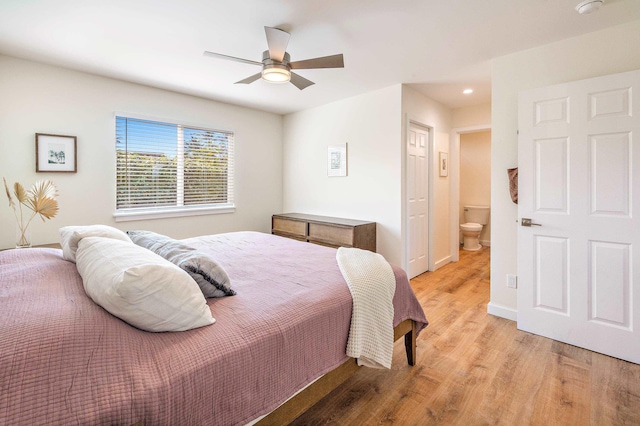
210,276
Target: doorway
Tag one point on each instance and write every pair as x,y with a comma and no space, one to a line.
455,200
475,179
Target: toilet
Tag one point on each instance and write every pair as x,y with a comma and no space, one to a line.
476,217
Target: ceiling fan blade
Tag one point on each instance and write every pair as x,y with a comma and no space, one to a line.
300,82
277,40
250,79
333,61
231,58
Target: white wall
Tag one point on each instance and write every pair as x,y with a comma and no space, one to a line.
36,98
475,115
417,107
599,53
373,125
475,176
370,125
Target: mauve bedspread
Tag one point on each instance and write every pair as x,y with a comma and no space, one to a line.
65,360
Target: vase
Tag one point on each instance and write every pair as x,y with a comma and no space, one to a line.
23,237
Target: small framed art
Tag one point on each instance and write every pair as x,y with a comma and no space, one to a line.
56,153
444,163
337,160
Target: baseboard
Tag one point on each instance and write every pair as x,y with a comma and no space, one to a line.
502,311
440,263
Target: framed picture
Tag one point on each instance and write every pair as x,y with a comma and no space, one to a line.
337,160
444,163
56,153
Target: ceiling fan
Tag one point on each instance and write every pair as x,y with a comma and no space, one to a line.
276,63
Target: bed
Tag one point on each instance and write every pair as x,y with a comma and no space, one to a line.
65,360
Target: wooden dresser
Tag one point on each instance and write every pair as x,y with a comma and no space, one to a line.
326,231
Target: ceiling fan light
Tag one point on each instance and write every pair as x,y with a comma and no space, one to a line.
276,74
589,6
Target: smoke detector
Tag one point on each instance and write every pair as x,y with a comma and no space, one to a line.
589,6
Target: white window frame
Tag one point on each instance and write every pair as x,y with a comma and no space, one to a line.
125,215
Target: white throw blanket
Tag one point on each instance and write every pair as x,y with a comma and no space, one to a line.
372,285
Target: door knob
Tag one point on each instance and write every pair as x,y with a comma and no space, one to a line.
527,222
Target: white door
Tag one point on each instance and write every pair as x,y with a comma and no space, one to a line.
417,192
579,179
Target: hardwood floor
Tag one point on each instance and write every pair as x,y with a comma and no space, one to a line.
476,369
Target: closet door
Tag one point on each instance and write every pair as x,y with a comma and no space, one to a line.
417,199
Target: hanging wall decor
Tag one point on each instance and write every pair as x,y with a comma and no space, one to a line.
337,160
513,184
444,163
56,153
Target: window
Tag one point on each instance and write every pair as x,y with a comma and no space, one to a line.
165,169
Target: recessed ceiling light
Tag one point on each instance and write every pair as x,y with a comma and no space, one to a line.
467,91
589,6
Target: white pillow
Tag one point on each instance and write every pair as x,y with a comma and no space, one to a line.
140,287
71,235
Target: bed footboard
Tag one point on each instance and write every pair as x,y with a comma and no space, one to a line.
313,393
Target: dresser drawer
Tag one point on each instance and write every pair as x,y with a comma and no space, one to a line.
327,231
335,234
293,227
290,236
325,244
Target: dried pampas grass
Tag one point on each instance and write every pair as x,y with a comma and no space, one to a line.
40,199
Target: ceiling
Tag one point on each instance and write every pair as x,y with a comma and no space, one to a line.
439,47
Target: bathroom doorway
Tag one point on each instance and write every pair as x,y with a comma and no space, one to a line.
475,179
456,206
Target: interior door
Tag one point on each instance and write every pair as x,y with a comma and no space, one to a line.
417,201
578,153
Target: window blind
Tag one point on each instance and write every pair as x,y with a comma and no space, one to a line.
161,165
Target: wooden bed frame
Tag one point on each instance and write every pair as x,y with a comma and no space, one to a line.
313,393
